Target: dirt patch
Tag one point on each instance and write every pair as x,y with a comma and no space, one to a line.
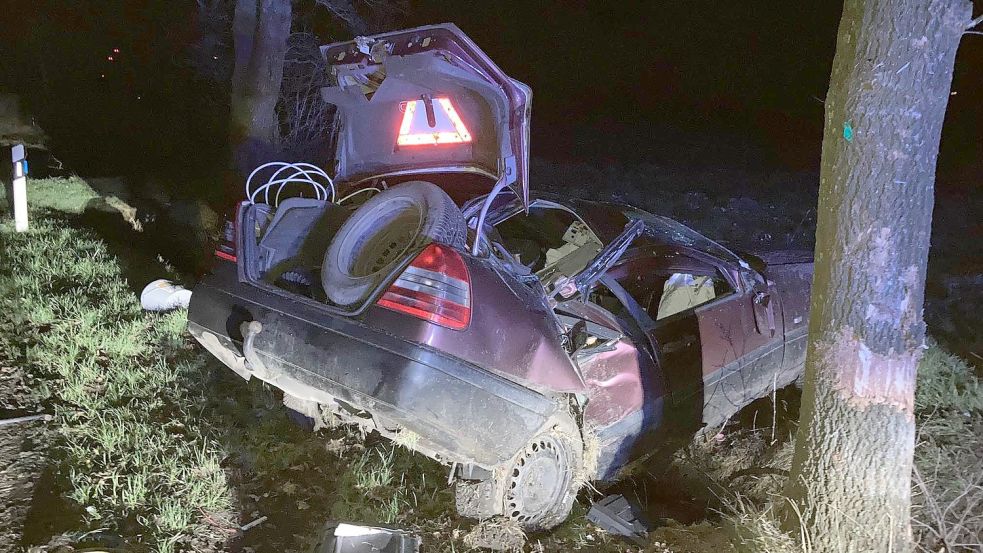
21,459
702,537
21,464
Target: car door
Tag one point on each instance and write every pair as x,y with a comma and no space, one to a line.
715,339
673,321
741,347
700,336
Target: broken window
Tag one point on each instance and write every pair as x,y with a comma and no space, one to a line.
684,291
666,285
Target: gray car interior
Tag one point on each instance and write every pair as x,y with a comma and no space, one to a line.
291,247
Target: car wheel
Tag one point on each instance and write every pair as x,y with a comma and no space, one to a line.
536,488
543,484
381,233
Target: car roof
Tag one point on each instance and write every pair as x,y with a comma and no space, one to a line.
608,220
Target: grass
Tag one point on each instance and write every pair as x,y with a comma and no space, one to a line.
62,194
120,382
948,481
744,473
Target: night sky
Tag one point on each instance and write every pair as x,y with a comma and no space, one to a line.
628,81
677,83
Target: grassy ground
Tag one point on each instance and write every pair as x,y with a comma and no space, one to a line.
155,446
122,385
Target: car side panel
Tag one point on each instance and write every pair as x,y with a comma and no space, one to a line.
726,353
794,284
717,359
614,383
512,332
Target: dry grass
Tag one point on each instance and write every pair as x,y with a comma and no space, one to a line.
746,469
948,480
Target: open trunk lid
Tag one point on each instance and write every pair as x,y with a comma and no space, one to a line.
427,100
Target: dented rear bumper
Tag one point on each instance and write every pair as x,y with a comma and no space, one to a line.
432,402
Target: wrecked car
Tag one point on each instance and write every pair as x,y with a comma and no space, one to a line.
530,342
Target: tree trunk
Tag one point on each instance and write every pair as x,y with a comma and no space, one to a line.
851,472
260,28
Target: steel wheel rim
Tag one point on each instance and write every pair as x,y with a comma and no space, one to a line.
538,480
388,246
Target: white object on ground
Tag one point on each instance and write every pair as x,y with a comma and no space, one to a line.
254,523
344,530
164,295
28,418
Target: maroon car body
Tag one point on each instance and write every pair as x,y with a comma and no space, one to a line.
637,326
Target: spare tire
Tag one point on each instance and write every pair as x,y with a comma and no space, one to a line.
382,232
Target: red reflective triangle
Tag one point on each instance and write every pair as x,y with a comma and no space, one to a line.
416,131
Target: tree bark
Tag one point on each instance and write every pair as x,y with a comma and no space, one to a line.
851,472
260,29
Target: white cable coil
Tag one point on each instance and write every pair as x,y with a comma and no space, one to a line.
303,173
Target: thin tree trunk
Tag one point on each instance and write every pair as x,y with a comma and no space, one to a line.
851,472
261,28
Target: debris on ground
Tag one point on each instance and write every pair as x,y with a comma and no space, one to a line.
256,522
497,534
27,418
616,515
164,295
21,461
343,537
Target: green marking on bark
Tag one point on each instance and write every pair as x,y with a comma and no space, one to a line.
848,131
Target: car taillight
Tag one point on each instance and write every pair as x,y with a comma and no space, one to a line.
226,248
435,287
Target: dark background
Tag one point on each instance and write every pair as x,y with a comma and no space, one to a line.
629,81
682,83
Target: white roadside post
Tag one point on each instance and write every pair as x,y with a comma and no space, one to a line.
19,158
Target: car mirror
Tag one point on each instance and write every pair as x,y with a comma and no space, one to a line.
752,280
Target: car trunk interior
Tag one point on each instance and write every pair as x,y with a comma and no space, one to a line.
285,245
287,241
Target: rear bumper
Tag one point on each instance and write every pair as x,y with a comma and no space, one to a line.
432,402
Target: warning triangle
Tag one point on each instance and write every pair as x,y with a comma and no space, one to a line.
447,128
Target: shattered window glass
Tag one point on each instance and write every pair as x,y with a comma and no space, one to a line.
665,229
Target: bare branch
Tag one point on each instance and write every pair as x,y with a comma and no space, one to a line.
345,11
975,22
